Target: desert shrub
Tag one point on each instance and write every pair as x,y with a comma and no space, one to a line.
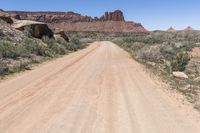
118,40
49,41
150,54
86,40
167,51
10,50
37,48
1,33
3,67
74,45
8,66
76,42
179,62
136,46
58,49
28,31
54,47
70,46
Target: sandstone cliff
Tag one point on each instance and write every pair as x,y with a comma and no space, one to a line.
70,21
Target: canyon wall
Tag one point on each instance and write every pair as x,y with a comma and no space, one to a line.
70,21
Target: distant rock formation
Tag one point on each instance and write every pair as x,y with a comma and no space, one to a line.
171,29
56,17
188,29
113,16
70,21
50,17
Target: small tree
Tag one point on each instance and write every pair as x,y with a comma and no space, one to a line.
180,61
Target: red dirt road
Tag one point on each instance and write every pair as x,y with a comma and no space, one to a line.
96,90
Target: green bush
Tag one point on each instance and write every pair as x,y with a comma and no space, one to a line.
49,41
152,53
179,62
10,50
3,68
58,49
74,45
55,47
37,48
1,33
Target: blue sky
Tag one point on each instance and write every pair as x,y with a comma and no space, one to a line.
153,14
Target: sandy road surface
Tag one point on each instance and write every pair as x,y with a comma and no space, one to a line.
97,90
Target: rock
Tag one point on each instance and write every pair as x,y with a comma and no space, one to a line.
6,17
62,34
180,75
36,29
196,52
151,63
59,39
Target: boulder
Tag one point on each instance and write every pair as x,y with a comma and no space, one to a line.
62,34
195,52
5,17
59,39
36,29
180,75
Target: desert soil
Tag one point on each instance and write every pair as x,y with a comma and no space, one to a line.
96,90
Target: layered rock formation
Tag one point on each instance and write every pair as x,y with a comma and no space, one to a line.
113,16
50,17
70,21
171,29
188,29
35,29
106,26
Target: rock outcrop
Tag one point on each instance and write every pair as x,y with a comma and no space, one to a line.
5,17
62,34
35,29
113,16
171,29
50,17
70,21
57,17
106,26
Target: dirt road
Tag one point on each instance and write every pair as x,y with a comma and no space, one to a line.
96,90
